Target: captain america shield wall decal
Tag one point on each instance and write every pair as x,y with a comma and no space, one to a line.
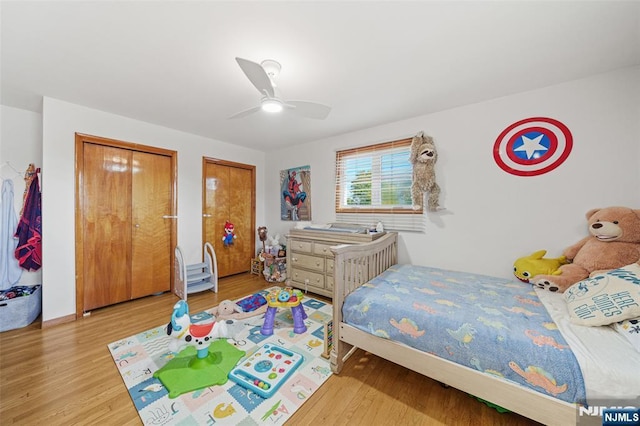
532,146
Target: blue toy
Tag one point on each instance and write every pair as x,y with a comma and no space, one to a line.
266,370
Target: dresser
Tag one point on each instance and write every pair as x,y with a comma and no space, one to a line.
310,260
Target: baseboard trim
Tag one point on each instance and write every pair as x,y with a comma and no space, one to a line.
59,320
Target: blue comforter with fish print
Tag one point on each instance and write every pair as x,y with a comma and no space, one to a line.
490,324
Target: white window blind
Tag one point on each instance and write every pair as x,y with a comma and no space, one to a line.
373,184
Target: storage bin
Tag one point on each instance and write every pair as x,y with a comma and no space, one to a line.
20,311
275,268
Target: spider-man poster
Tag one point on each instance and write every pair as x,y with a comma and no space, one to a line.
295,193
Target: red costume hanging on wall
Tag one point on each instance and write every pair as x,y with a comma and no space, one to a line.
29,232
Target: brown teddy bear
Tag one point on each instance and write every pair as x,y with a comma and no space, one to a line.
614,242
423,158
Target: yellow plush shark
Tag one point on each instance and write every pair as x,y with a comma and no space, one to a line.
528,267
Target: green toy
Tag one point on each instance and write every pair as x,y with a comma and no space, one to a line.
528,267
207,359
188,372
498,408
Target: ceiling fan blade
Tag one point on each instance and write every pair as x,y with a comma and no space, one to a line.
309,109
245,112
257,76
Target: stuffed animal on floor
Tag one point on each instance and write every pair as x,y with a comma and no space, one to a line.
614,242
423,158
199,336
230,310
527,267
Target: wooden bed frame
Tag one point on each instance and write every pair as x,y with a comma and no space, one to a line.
357,264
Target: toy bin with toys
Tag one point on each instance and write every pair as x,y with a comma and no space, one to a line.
275,268
19,306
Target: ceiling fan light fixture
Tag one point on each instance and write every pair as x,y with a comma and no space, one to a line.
271,105
263,76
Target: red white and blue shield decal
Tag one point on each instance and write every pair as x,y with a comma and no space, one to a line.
532,146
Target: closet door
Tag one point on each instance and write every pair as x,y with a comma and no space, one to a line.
106,192
125,221
229,195
241,213
151,220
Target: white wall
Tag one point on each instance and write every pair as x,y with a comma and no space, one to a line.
61,120
20,145
492,217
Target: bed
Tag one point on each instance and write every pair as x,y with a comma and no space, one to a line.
371,291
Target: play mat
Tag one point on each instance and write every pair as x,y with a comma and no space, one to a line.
138,357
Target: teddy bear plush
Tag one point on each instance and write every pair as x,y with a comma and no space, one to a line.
614,242
423,159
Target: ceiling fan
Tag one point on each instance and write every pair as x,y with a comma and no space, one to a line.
263,76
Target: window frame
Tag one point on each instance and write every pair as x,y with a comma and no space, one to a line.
341,155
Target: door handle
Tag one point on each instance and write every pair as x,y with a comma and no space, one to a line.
206,215
167,216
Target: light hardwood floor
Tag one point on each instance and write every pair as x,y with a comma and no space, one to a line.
64,375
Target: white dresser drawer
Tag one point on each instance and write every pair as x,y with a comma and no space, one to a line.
303,278
329,267
322,249
300,246
329,283
306,261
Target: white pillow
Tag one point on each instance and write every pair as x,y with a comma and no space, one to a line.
630,329
605,298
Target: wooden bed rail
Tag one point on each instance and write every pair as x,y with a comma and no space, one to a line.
355,265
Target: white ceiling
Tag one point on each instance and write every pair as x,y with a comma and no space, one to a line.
172,63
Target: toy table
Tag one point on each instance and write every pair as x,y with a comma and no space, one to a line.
284,298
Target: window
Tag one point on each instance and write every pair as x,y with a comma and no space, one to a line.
373,184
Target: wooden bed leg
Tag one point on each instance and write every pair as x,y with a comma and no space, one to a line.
337,352
339,355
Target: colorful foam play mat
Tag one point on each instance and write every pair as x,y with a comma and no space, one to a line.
184,373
